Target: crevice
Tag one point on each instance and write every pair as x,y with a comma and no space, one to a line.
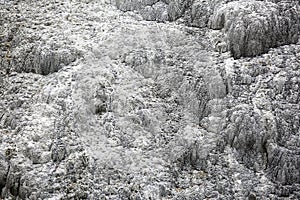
265,151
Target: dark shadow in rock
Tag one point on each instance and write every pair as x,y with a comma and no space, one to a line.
254,27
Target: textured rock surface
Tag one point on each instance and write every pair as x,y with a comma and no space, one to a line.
196,12
253,27
97,103
31,44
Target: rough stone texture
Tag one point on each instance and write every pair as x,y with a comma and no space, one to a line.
196,12
3,171
265,132
31,45
135,109
253,27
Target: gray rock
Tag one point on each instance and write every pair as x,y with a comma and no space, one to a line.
156,10
4,167
58,151
139,109
199,13
254,27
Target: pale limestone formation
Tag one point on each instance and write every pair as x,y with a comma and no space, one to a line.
97,103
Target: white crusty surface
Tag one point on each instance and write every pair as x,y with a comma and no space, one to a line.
101,100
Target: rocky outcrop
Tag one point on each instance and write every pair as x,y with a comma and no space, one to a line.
4,167
264,126
147,110
154,9
25,47
42,61
253,27
194,13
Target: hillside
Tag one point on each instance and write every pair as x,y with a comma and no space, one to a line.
132,99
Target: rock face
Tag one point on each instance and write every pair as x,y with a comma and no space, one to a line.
31,45
3,171
262,130
155,9
196,12
98,103
253,27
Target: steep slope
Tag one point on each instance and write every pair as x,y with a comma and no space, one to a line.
97,103
251,27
